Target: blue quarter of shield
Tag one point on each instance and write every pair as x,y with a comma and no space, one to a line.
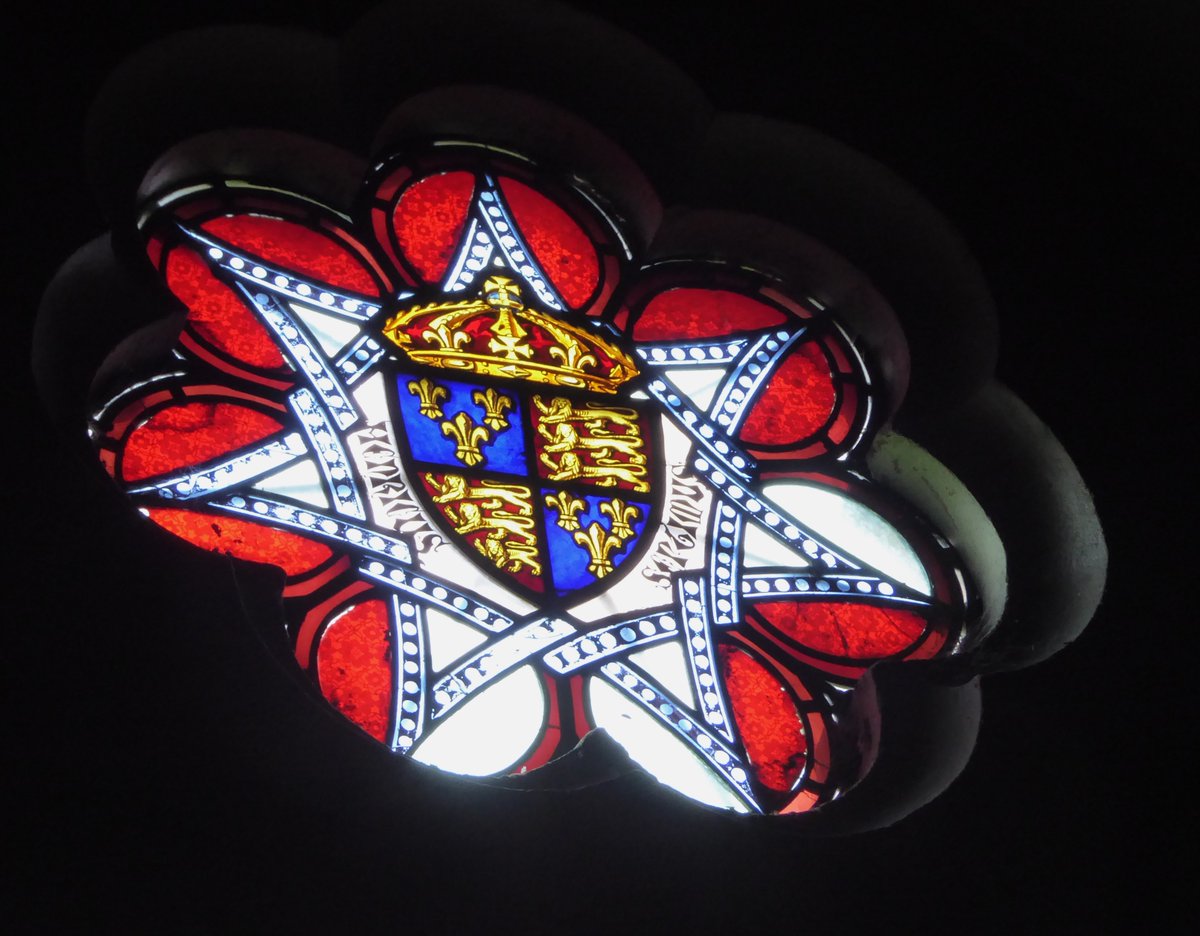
578,556
431,441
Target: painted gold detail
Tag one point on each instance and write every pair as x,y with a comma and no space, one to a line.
494,494
509,556
502,293
508,337
491,335
431,396
600,544
467,437
503,511
570,468
566,438
609,436
494,404
622,514
594,415
568,508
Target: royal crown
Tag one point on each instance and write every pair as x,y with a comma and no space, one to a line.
495,334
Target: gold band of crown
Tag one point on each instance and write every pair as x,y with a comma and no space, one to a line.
564,356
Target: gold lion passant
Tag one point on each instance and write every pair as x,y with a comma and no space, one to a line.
609,435
504,511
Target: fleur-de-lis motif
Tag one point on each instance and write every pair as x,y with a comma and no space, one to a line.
568,508
622,514
521,344
600,544
494,404
467,436
443,331
573,355
431,396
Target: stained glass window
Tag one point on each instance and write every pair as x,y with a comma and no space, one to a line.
526,484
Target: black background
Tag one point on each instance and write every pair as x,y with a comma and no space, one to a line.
164,771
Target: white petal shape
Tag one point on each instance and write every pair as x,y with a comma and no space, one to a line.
633,593
666,664
846,524
332,333
761,550
657,749
449,639
677,447
371,400
491,732
448,562
698,383
301,480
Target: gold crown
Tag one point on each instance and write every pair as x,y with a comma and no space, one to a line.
496,335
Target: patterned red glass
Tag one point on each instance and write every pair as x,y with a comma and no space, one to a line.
844,629
296,247
191,434
217,313
241,539
796,403
354,666
429,218
702,313
561,247
767,719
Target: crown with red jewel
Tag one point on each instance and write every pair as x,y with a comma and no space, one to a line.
497,335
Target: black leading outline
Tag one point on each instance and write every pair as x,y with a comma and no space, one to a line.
258,390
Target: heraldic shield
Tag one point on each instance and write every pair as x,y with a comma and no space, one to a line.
523,436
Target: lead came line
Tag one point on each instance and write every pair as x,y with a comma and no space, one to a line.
428,590
330,454
248,271
410,673
230,473
495,660
698,643
727,764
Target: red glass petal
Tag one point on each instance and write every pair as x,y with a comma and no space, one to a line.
429,220
563,250
295,247
182,436
767,720
354,666
845,629
796,402
242,539
930,647
217,313
702,313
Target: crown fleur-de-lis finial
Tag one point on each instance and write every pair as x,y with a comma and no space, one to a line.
497,335
494,404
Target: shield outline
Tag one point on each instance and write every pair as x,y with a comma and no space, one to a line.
549,601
